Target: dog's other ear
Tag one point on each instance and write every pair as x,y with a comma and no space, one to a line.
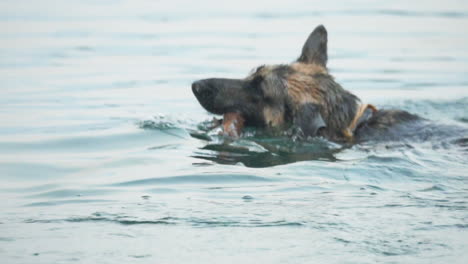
309,119
315,48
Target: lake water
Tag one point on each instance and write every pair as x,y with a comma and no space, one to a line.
103,157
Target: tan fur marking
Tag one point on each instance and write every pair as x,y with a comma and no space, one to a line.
303,89
309,69
273,118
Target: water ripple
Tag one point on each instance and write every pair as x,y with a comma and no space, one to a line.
192,221
65,202
197,179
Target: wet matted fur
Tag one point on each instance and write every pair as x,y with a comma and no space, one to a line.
300,96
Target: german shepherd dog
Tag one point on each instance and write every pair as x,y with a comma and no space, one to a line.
301,97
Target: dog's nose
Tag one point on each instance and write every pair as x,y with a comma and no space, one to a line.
197,87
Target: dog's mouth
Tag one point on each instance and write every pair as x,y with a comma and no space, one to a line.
224,97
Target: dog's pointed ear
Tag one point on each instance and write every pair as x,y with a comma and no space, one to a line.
315,47
309,119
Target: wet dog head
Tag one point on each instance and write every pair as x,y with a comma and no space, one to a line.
279,95
260,98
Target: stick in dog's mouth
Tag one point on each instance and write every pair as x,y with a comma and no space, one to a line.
232,124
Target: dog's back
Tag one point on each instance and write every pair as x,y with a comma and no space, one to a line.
386,125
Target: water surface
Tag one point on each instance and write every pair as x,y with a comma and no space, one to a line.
103,156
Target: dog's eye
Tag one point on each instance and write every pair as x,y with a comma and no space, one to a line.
256,85
254,90
256,82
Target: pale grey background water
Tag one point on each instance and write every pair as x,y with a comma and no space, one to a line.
97,164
